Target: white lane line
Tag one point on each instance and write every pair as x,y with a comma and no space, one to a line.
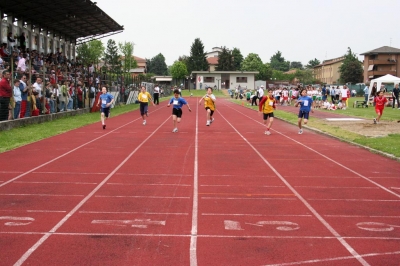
69,152
242,186
337,187
26,255
334,259
41,195
360,216
145,213
138,184
193,232
328,158
33,182
373,200
204,236
257,215
46,211
141,197
130,174
254,198
316,214
68,173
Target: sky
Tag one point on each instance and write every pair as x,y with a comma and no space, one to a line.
300,29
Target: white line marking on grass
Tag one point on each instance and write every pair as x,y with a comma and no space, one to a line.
26,255
316,214
195,210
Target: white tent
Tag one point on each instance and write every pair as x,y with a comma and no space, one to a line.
384,79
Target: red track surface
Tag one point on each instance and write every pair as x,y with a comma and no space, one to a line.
220,195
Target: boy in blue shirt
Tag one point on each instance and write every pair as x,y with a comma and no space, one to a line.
177,103
306,105
106,101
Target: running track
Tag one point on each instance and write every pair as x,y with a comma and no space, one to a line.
220,195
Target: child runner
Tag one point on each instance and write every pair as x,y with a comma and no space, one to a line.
177,103
144,97
306,104
267,106
380,102
209,105
106,101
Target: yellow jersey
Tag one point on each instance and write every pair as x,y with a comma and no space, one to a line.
209,102
144,97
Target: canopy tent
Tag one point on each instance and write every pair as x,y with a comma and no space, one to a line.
384,79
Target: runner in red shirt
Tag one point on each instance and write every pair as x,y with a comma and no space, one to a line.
380,102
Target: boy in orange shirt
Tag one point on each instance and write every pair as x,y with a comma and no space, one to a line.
267,106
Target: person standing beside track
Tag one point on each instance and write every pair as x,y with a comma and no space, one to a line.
106,101
156,95
144,97
5,95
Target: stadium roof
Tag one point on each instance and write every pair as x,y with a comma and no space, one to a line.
77,21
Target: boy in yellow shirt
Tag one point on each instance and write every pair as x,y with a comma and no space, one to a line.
144,97
267,106
209,105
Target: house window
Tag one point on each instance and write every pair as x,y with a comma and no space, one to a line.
241,79
209,79
373,57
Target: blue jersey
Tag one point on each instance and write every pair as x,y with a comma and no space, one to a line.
177,103
105,98
306,103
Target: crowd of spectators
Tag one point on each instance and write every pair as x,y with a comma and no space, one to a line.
43,83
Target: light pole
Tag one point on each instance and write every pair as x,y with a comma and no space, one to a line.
218,83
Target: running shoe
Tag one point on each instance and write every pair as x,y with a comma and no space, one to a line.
374,120
267,132
144,122
104,126
175,130
212,120
300,131
208,123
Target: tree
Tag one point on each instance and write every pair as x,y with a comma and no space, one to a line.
237,58
253,62
178,70
278,62
197,59
157,65
305,76
312,63
225,61
296,65
90,52
112,58
126,49
351,70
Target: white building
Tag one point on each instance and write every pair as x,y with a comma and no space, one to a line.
225,79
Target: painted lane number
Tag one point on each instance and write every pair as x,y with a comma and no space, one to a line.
16,221
281,225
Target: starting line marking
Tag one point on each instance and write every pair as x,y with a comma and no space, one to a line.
137,223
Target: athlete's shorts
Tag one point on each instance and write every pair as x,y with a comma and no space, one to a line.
177,112
143,108
212,112
105,110
344,99
303,114
314,98
268,115
379,111
285,98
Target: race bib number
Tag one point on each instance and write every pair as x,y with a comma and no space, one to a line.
103,101
271,103
305,103
175,102
144,96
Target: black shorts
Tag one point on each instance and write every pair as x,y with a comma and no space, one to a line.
177,112
303,114
143,108
106,111
268,115
211,111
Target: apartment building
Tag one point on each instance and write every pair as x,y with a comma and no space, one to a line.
328,71
381,61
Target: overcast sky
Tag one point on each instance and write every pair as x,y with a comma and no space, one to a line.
301,29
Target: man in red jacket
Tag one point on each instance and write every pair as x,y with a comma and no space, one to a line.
5,95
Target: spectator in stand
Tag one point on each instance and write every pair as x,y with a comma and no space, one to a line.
79,95
17,99
4,53
22,41
5,95
63,98
38,87
70,93
10,42
24,88
21,67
